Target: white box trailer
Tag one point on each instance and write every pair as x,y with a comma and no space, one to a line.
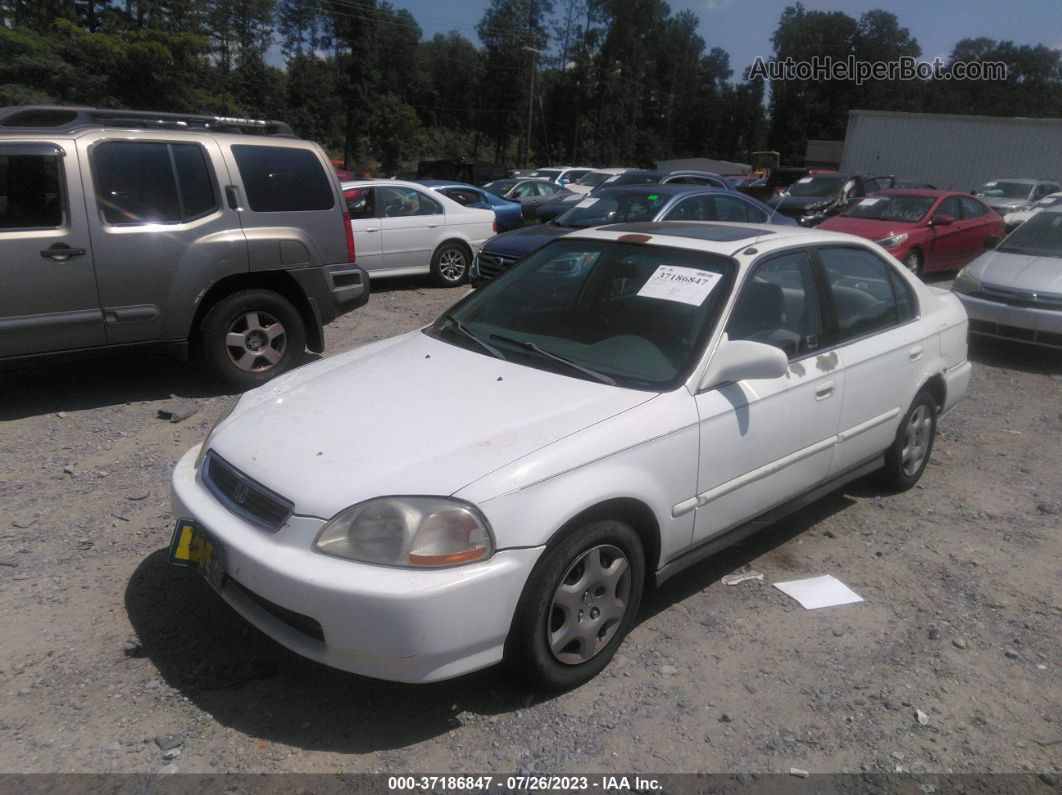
951,151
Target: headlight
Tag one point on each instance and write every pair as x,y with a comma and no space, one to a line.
418,532
892,241
965,283
206,442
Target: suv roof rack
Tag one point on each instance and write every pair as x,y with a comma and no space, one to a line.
64,118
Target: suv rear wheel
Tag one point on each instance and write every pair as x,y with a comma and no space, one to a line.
252,336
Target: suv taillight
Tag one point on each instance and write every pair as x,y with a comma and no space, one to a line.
494,227
350,238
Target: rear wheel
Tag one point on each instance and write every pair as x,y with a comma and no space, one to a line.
252,336
577,606
906,459
450,264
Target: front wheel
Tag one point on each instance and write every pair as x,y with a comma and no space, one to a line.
913,262
252,336
450,265
907,458
578,605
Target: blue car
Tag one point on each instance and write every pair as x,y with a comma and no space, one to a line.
633,203
506,213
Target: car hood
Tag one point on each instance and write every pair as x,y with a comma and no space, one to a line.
1019,271
1001,203
865,227
409,415
794,205
522,241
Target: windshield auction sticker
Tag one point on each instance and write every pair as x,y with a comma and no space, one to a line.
685,285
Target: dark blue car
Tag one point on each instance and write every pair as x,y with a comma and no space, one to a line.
628,204
506,213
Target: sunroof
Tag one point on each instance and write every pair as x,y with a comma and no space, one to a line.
698,231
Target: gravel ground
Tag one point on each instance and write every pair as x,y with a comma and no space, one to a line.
113,661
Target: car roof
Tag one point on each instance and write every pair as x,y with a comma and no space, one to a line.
723,238
443,183
378,181
919,192
1019,180
665,189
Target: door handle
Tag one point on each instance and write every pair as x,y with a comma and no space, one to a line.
824,390
915,353
371,229
434,226
233,196
60,252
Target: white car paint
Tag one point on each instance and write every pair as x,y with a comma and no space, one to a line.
1018,217
531,449
404,245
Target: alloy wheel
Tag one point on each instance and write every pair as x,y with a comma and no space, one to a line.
916,440
256,341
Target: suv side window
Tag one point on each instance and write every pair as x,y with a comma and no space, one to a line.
399,202
861,291
282,179
148,182
30,192
779,306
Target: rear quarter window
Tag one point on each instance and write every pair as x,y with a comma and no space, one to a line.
281,179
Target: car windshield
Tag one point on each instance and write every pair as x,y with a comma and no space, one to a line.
1001,189
892,207
783,179
614,208
594,178
816,186
628,313
1040,236
637,178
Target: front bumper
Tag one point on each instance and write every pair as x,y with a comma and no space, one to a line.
397,624
1019,323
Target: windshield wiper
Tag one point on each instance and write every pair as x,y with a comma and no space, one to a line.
530,346
484,345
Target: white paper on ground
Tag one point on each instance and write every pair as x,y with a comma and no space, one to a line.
675,283
815,592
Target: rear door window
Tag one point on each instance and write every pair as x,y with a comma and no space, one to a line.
30,192
282,179
861,291
149,182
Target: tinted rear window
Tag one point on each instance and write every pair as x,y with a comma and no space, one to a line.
278,179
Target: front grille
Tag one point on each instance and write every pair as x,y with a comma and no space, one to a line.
310,627
1010,296
987,328
490,265
243,496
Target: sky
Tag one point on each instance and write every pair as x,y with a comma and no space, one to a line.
743,27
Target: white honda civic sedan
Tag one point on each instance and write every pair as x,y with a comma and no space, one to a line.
621,404
403,229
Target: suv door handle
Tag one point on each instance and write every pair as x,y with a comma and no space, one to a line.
914,354
60,252
824,390
233,197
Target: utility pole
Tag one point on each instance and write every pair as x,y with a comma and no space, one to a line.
530,103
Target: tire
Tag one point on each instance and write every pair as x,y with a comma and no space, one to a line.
236,315
606,608
914,262
906,459
450,264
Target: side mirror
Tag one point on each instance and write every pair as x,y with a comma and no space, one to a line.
740,360
990,242
941,220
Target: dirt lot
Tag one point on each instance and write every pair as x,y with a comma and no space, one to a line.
106,648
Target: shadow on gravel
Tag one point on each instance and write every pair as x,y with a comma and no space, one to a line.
700,576
229,669
100,379
1015,356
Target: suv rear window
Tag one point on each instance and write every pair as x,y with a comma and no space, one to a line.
30,195
141,182
280,179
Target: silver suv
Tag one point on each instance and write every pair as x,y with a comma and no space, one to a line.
226,238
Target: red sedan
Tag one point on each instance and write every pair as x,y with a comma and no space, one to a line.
927,230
